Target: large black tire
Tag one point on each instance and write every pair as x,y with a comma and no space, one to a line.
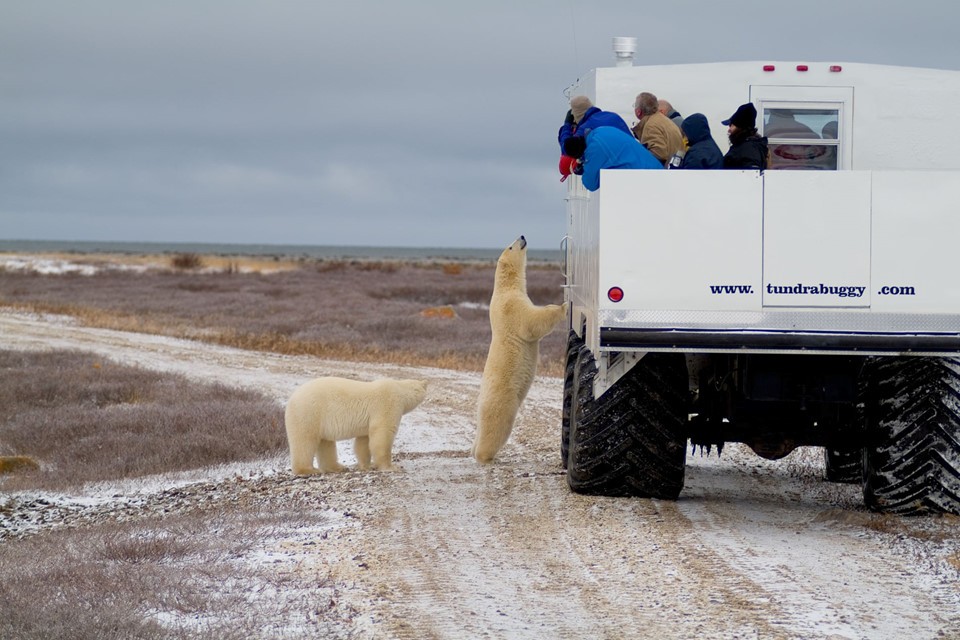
574,344
631,441
843,465
912,414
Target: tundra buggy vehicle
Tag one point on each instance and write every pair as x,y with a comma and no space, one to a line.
816,303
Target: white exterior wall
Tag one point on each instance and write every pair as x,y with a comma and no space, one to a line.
902,117
886,229
674,241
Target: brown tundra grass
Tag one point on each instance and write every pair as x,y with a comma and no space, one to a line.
370,311
161,578
86,419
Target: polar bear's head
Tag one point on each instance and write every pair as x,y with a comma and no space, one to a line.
512,266
412,393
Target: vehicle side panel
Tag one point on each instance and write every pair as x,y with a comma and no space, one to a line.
787,260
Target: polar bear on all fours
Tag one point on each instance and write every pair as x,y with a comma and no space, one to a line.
517,326
325,410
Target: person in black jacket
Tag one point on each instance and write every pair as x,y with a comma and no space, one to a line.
748,150
703,152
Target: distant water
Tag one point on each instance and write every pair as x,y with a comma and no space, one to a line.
270,250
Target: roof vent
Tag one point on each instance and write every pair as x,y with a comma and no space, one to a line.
624,48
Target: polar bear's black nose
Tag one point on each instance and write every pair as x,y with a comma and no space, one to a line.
523,242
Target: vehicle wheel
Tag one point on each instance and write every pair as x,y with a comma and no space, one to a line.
574,344
843,465
631,441
912,412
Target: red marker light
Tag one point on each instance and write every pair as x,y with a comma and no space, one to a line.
802,67
835,68
768,67
615,294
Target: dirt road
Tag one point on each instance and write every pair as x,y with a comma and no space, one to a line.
445,548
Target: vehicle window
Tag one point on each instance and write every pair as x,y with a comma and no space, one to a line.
802,138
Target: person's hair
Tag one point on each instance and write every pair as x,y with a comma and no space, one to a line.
666,106
740,135
647,104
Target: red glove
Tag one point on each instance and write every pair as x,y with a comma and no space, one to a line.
567,166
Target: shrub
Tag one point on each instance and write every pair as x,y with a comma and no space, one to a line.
186,261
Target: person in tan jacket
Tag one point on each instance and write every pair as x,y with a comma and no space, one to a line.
655,131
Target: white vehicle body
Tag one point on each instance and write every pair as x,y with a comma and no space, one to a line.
816,303
861,259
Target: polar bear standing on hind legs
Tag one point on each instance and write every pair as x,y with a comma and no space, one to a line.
518,326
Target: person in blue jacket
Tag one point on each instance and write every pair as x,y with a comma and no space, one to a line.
583,117
703,152
607,148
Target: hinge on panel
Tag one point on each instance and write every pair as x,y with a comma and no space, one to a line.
613,365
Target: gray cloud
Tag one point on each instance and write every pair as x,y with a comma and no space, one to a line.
415,123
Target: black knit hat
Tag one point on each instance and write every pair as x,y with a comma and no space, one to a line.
745,117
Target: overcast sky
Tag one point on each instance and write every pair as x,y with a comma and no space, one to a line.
417,123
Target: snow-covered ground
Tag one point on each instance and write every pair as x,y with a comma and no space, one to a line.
445,548
48,265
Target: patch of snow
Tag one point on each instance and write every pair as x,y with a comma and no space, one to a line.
473,305
57,266
823,566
